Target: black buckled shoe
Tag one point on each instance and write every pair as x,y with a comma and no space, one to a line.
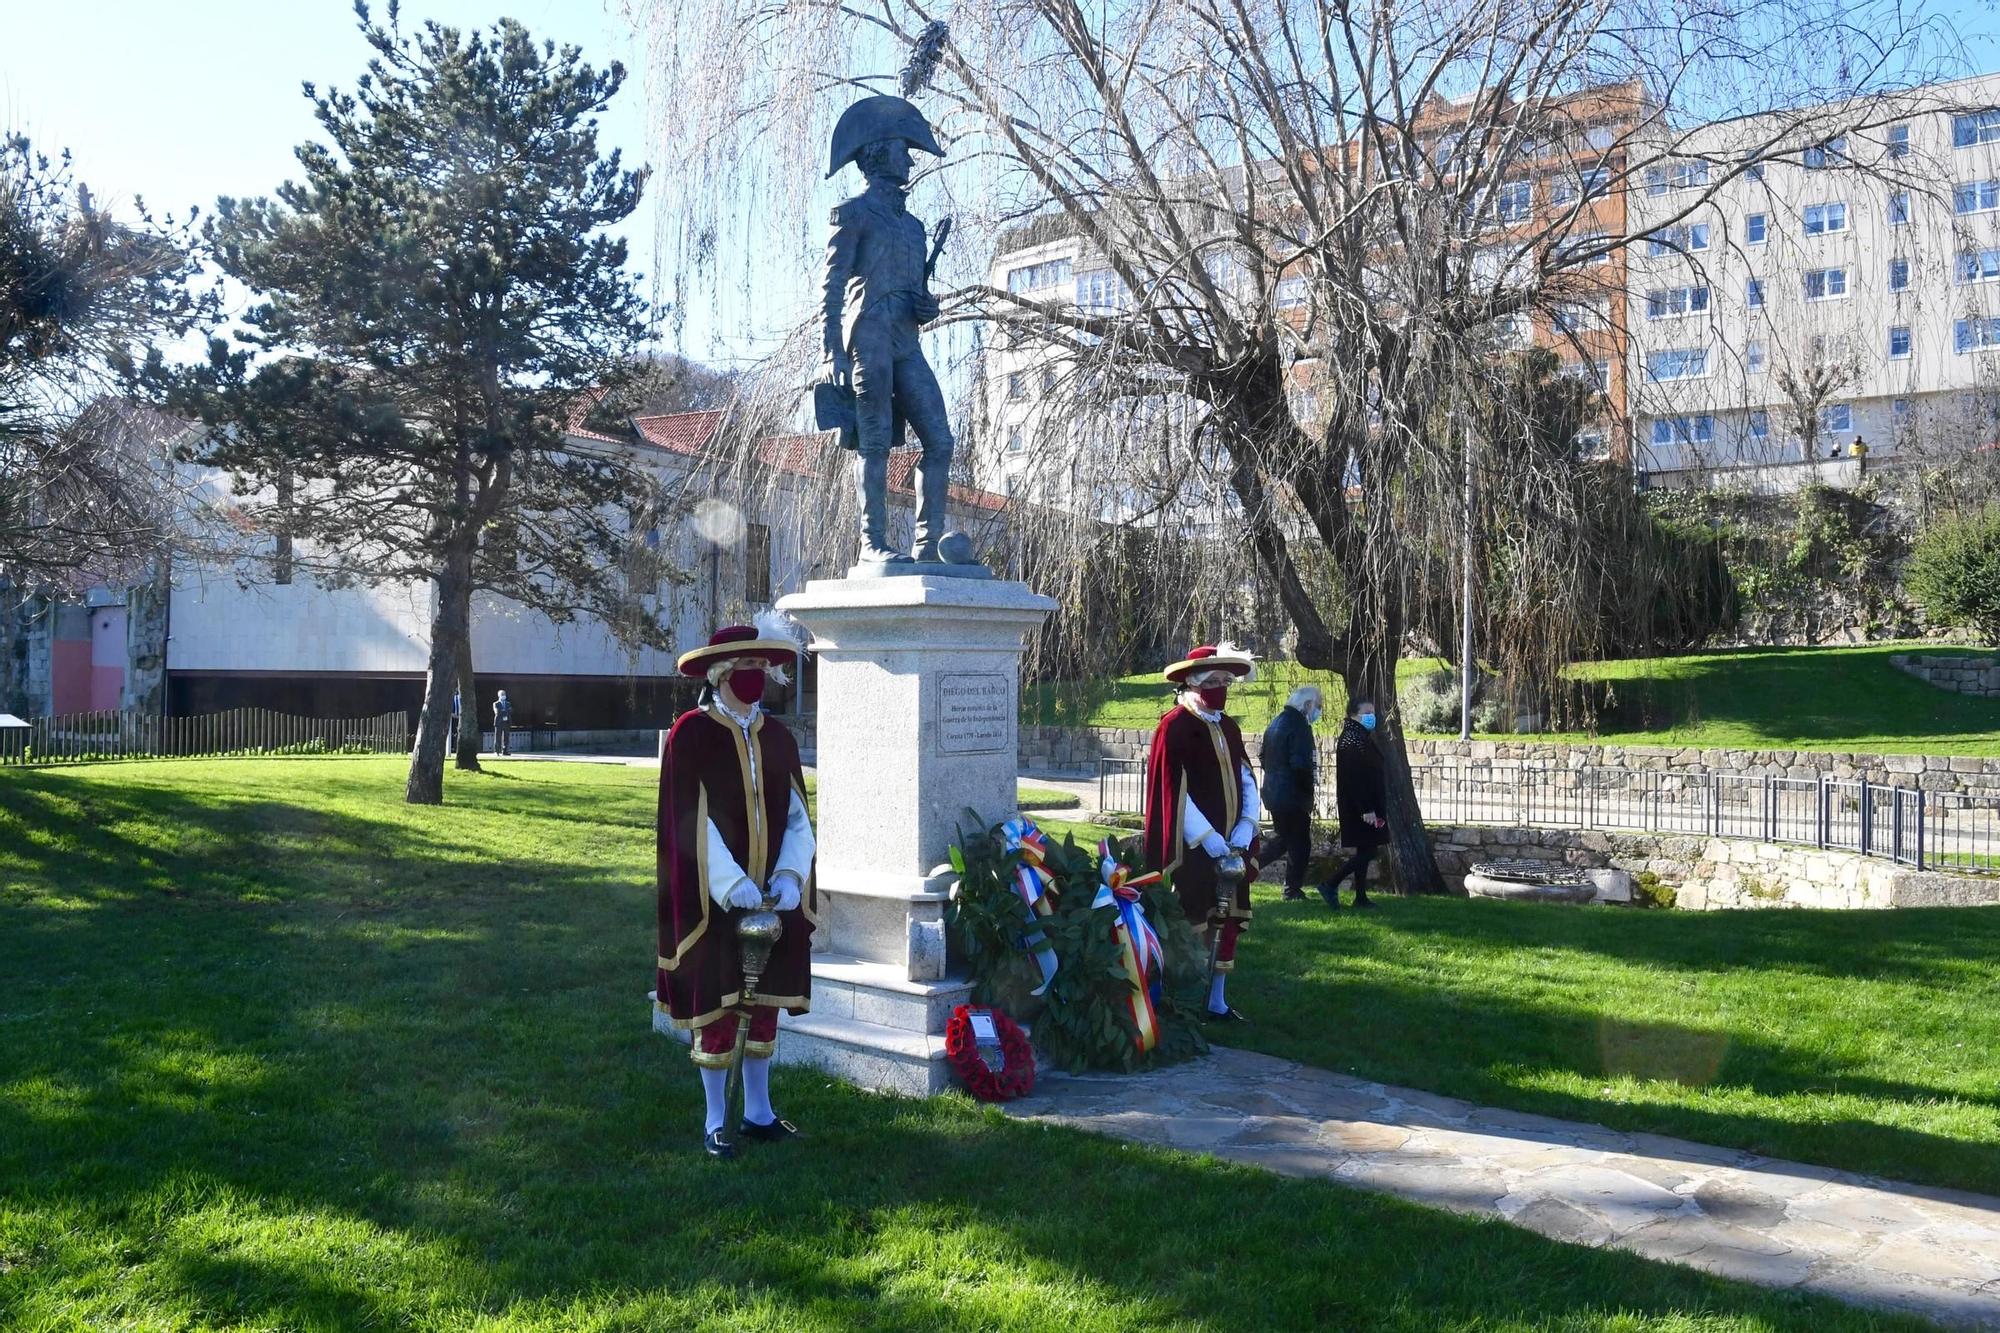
1223,1016
776,1132
716,1146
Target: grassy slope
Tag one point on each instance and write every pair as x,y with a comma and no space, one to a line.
1866,1040
277,1051
1775,698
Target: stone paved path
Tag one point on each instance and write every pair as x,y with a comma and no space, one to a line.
1934,1252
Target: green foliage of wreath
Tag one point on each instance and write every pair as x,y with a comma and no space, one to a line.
1081,1022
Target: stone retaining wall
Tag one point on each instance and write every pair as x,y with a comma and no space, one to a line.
1964,675
1715,873
1079,748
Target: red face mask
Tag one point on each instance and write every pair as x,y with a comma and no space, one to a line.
747,684
1213,697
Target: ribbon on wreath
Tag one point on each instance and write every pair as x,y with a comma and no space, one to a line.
1033,882
1139,950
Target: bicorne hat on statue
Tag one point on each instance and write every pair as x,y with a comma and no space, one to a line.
734,641
873,119
1209,657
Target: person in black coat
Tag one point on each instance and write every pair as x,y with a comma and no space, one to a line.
1288,783
1361,796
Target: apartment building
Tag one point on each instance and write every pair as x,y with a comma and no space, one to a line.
1839,299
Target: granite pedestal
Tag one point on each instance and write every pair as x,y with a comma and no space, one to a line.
919,686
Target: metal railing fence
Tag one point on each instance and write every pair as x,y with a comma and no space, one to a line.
1949,831
87,737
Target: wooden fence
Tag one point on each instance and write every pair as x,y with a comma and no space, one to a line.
85,737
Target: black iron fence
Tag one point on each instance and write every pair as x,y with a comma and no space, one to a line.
87,737
1927,830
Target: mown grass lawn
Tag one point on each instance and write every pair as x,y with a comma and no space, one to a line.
1749,698
1864,1040
279,1052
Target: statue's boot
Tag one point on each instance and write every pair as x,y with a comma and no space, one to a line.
871,481
933,507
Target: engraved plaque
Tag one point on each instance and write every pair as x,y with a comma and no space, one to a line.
973,713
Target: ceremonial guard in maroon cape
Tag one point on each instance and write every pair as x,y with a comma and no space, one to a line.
1201,800
733,829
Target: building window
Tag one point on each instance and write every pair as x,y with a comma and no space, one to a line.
1837,418
1290,293
1669,431
1576,316
1017,386
1974,335
1038,277
1899,413
1899,275
1820,156
1754,172
1016,441
1826,284
756,562
1583,249
1677,363
1102,290
1676,176
1977,128
1979,266
1756,229
1760,425
1823,219
1676,302
1048,380
1753,295
1674,240
1597,374
1756,357
1975,197
1899,341
1899,141
1513,201
1899,209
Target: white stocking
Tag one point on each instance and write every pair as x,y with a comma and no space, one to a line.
714,1087
757,1090
1215,1001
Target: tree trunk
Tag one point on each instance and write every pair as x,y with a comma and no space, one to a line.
449,619
1413,862
469,715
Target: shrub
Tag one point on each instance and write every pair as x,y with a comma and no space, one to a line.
1648,891
1954,572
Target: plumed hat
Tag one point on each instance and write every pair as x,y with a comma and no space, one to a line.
1208,657
734,641
875,118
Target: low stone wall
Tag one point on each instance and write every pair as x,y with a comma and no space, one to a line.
1963,675
1715,873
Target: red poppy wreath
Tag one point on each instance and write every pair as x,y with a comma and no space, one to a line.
1016,1076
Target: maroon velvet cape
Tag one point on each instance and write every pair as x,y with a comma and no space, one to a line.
705,775
1203,760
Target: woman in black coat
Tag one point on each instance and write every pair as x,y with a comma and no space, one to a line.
1361,797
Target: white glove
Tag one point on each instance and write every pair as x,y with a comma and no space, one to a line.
1212,843
1239,837
786,887
745,895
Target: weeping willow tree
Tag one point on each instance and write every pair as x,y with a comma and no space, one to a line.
1297,234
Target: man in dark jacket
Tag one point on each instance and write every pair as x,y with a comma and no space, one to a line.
1361,796
1288,783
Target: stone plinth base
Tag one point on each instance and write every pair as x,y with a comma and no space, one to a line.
868,1025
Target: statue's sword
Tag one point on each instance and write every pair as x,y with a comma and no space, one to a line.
937,248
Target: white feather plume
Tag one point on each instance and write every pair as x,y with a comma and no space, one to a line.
1227,649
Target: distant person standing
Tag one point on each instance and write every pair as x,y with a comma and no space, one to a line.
1288,783
503,721
451,741
1361,796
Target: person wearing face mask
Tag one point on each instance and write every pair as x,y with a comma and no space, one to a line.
733,828
1362,797
1201,800
1288,783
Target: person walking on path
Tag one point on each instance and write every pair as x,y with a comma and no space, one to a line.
1362,797
1288,783
503,720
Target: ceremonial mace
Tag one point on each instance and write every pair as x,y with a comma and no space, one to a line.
757,932
1229,872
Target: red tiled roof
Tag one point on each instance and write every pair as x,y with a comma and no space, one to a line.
579,412
679,432
902,477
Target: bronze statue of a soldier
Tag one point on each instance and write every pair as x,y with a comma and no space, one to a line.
876,297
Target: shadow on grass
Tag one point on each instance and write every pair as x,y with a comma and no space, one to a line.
1482,1001
449,1106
